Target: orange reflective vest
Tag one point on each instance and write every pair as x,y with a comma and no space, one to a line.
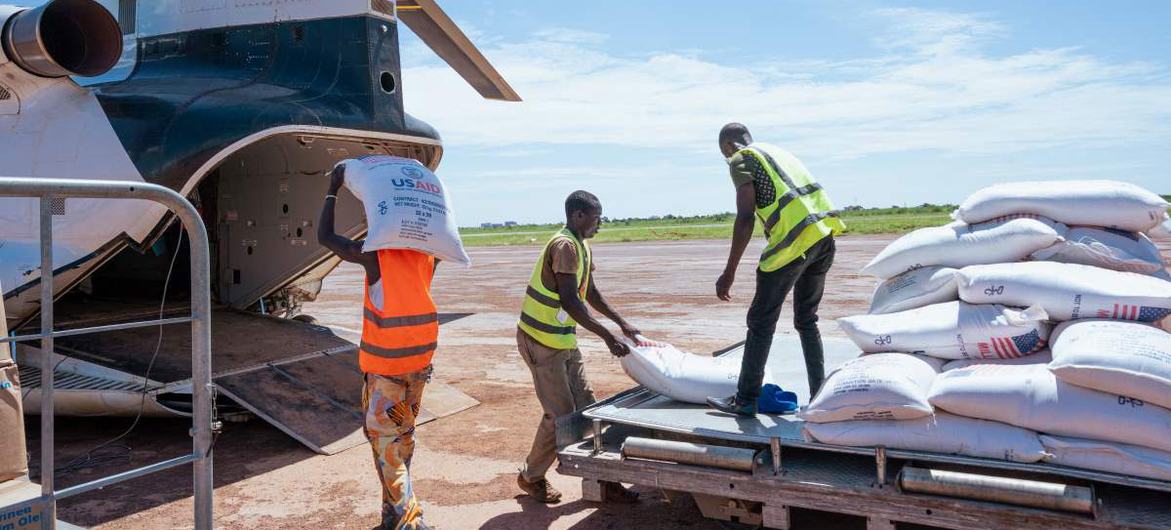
401,337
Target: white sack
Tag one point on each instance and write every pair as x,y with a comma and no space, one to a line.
1033,398
882,386
1105,248
1067,291
1041,357
406,206
683,376
959,245
1106,203
913,289
1116,357
942,433
1123,459
952,330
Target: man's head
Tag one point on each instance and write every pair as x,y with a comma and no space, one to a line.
583,213
734,137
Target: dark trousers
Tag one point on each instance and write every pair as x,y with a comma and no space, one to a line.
806,278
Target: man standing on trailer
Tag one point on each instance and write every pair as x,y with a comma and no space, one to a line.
546,337
800,223
400,329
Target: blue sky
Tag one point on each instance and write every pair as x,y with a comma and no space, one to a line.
886,103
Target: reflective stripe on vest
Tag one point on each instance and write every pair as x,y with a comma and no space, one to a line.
800,215
542,317
401,337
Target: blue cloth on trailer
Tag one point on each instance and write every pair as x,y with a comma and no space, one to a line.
775,400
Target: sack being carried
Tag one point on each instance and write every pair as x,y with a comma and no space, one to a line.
882,386
952,330
959,245
1107,203
1069,292
406,206
683,376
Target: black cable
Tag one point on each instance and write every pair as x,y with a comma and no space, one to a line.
93,457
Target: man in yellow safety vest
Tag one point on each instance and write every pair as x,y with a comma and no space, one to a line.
800,222
546,337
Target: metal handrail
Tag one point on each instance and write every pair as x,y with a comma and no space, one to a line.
202,387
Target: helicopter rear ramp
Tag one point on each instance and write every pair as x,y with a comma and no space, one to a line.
300,377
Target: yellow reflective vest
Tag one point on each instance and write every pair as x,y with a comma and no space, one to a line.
801,213
542,316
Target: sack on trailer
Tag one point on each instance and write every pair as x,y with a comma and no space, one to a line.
1111,457
1116,357
683,376
1033,398
952,330
1106,248
882,386
913,289
406,206
959,245
941,433
1107,203
1069,292
1042,357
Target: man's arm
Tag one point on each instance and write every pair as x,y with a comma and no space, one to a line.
741,234
598,302
344,247
572,304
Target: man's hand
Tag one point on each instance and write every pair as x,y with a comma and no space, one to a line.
617,347
724,286
337,177
631,332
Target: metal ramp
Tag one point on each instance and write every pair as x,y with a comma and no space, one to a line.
300,377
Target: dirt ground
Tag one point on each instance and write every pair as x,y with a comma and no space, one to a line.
465,465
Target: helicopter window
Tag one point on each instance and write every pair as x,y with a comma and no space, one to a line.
388,83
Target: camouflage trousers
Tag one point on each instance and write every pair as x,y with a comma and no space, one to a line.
392,404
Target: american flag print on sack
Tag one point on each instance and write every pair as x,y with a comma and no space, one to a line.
1135,312
1011,347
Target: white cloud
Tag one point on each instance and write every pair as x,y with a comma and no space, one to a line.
933,87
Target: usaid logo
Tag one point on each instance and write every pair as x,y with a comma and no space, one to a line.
414,178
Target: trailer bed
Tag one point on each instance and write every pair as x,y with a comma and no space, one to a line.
847,480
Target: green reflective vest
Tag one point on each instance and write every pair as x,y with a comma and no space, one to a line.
541,316
801,213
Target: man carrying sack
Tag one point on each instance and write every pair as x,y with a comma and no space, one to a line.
546,337
400,329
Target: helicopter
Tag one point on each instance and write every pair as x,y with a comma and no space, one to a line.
241,106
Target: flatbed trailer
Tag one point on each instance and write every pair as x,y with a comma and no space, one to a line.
885,487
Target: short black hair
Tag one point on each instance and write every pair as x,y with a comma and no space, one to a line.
734,131
581,201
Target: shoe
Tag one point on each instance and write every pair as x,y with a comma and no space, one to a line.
733,405
540,490
618,494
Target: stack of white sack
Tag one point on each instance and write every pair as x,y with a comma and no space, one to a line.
985,292
682,376
882,399
407,207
